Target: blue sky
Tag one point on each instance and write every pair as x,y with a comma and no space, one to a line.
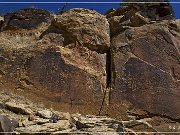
99,7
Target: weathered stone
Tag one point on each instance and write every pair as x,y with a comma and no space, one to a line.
47,114
91,124
85,26
98,124
29,111
138,20
31,117
41,121
175,24
124,21
6,124
137,14
1,21
18,108
63,66
145,67
48,63
47,127
178,24
24,122
154,11
55,117
1,18
27,18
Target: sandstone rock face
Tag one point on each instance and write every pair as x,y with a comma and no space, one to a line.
73,123
144,61
54,63
153,11
145,69
86,27
137,14
27,18
125,66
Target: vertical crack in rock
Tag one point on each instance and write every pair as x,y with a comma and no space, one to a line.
108,69
110,72
106,94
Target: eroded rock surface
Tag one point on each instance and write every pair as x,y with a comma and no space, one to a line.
52,62
68,62
87,27
72,123
137,14
145,69
27,18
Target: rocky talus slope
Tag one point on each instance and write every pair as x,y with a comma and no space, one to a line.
124,65
20,115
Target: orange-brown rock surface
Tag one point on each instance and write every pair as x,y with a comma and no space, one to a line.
124,65
145,69
53,61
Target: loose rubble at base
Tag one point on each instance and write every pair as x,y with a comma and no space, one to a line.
40,119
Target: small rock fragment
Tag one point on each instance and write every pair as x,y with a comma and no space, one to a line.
55,118
45,114
31,117
20,108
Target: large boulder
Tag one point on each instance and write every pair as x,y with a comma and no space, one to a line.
85,26
52,63
137,14
18,108
161,10
27,18
145,70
